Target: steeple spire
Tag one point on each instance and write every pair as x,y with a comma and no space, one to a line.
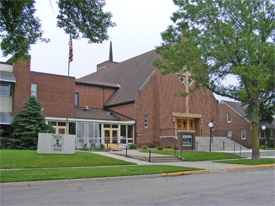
111,53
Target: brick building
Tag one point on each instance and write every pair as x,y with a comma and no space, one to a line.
120,104
238,128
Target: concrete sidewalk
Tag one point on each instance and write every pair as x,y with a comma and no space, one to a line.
207,165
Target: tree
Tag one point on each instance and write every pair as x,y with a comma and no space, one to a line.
27,124
267,109
20,29
220,39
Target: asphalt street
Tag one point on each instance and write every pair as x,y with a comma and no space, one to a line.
254,186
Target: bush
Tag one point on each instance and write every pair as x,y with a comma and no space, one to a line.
159,148
175,147
152,145
144,147
132,146
102,146
168,146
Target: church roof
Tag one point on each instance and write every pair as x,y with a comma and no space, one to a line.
237,106
92,113
129,75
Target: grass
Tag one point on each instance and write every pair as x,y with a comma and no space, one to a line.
249,161
31,159
266,148
199,156
92,172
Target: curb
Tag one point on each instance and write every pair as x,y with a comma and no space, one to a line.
250,166
185,173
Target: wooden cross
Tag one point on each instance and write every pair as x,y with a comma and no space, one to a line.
186,75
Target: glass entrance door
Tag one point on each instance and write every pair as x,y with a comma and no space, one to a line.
111,138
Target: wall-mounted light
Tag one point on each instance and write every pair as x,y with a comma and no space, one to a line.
173,119
201,121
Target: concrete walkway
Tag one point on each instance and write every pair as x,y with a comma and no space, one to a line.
208,165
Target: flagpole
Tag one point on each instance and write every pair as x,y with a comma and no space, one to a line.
70,59
68,81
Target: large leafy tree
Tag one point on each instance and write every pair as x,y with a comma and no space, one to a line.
220,40
27,124
19,29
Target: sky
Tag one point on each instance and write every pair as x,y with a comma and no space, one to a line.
139,24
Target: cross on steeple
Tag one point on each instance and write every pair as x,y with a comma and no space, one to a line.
187,82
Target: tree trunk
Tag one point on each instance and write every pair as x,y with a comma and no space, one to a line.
255,130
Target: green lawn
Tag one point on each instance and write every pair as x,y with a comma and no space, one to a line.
249,161
92,172
199,156
31,159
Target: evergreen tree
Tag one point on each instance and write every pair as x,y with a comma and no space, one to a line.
27,124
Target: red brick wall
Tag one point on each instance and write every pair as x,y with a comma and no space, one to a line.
236,125
93,96
51,91
52,94
106,64
127,110
22,88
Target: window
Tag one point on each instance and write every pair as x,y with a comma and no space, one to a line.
34,89
243,134
229,119
76,99
5,88
271,134
146,121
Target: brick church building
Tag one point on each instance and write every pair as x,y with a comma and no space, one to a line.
121,103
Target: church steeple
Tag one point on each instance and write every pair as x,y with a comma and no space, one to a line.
111,53
109,62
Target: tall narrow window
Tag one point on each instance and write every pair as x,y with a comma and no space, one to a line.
146,121
76,99
229,119
271,134
34,89
243,133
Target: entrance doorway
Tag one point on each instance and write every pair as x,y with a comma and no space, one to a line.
185,125
111,138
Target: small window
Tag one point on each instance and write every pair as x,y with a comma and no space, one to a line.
146,121
5,88
229,118
243,134
34,89
271,134
76,99
262,134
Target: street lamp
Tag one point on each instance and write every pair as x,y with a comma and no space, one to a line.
263,128
210,125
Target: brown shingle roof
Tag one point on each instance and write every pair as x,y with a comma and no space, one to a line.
129,75
237,107
92,113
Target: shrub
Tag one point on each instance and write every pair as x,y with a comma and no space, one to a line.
175,147
159,148
144,147
132,146
102,146
168,146
152,145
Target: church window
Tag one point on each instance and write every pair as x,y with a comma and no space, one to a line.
76,99
145,121
243,134
229,119
34,89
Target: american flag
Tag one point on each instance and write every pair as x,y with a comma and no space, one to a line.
71,50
